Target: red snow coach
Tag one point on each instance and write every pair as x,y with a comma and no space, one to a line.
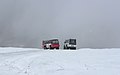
50,44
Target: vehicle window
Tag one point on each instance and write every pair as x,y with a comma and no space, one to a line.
73,41
55,42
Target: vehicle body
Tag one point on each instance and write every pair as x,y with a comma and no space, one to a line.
51,44
44,44
70,44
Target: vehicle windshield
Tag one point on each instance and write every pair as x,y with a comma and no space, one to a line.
45,42
55,41
73,41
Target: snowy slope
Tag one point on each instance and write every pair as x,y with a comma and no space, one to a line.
19,61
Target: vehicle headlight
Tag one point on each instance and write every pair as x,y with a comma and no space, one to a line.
74,45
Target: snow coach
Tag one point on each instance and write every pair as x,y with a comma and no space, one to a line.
70,44
51,44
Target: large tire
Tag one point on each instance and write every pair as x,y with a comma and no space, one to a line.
45,48
57,48
51,47
68,48
73,48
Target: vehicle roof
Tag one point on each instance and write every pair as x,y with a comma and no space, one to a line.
70,39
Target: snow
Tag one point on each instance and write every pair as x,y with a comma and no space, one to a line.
30,61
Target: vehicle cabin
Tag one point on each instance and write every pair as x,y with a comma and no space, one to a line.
70,44
51,44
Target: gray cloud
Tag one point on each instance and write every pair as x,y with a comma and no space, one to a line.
94,24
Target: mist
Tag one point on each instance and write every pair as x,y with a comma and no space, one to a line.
94,23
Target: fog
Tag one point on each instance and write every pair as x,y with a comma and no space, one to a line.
94,23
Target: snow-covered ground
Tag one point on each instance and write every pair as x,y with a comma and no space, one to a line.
19,61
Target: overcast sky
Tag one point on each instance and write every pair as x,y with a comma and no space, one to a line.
94,23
